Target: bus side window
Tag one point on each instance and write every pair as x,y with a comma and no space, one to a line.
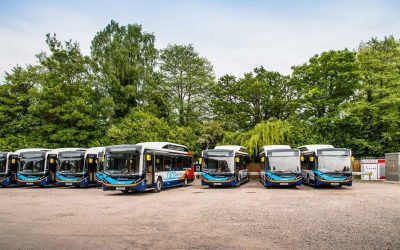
179,163
167,163
187,163
159,163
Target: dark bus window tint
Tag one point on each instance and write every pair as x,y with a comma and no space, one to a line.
167,163
187,163
3,162
159,163
179,163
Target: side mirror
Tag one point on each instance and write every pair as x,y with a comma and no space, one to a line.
200,160
237,159
352,158
301,158
263,159
312,158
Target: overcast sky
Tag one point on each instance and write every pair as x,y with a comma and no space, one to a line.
235,36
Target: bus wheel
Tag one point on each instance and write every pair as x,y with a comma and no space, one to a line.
185,182
159,185
308,180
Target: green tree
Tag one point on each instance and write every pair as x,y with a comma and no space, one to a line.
138,126
187,77
258,96
375,114
15,100
211,134
294,133
125,58
69,108
328,82
227,105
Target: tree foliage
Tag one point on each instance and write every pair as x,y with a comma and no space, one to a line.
125,58
127,91
187,77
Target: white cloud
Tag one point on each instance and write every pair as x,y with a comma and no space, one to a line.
234,38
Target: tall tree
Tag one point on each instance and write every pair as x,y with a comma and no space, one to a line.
69,107
258,96
328,82
15,100
125,58
375,114
187,78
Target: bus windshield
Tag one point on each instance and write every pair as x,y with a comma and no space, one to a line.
122,163
218,164
284,164
70,165
31,165
3,166
328,164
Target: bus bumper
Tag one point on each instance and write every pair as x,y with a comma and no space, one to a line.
135,187
73,183
332,183
269,183
42,183
219,183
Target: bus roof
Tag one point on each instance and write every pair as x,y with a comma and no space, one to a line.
272,147
314,147
235,148
25,150
95,150
60,150
164,146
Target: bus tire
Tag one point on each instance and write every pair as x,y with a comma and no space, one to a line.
185,182
159,185
308,180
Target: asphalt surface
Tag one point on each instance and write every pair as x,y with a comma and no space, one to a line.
365,216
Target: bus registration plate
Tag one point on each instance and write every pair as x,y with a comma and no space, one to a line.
120,188
29,183
217,184
334,184
68,184
283,183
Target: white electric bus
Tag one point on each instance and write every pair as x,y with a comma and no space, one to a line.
32,167
147,166
69,166
325,165
280,166
225,166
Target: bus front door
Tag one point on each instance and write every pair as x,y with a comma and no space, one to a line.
92,168
149,171
14,167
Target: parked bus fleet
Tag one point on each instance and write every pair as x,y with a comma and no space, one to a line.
157,165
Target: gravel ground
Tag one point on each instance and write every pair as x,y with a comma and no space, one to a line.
365,216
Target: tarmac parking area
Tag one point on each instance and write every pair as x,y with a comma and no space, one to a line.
365,216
